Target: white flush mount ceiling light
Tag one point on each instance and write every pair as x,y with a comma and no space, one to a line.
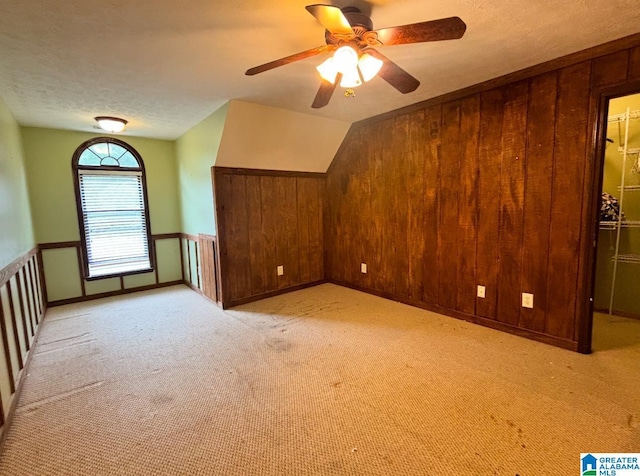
111,124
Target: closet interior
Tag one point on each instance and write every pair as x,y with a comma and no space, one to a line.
617,284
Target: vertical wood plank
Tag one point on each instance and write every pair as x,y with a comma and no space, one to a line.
238,237
14,322
511,202
431,202
566,198
24,304
42,280
290,222
268,198
7,351
197,260
399,199
377,226
489,180
316,235
389,208
216,272
181,258
38,285
361,209
449,188
220,193
537,203
32,312
28,333
417,203
188,244
33,291
467,205
304,188
256,237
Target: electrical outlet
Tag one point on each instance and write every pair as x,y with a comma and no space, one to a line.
527,300
481,291
363,268
280,270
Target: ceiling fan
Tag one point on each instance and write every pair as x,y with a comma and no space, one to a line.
350,35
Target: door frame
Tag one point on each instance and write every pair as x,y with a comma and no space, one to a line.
600,101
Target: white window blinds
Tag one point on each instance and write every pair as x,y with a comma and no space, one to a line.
114,219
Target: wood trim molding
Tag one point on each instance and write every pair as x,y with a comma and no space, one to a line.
166,236
552,65
277,292
265,172
91,297
59,244
12,268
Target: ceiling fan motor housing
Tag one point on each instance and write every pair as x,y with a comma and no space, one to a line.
360,23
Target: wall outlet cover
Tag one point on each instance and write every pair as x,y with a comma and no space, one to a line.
363,268
481,291
527,300
280,270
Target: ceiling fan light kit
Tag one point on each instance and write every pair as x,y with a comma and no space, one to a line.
354,70
350,35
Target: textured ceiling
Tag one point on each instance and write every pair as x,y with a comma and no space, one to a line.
166,65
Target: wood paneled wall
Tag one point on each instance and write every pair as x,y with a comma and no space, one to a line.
207,244
267,219
494,187
22,307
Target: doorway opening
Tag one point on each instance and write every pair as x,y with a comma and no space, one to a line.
616,296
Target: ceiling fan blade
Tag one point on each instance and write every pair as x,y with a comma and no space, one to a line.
436,30
394,74
289,59
332,19
325,92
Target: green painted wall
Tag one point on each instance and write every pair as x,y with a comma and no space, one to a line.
49,152
196,152
626,297
16,231
48,155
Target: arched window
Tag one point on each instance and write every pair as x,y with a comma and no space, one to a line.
113,210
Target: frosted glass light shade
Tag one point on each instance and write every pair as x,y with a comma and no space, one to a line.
351,79
354,71
328,70
111,124
345,59
369,66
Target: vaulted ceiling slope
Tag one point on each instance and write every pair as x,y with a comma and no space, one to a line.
166,65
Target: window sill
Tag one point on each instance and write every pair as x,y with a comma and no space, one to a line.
118,275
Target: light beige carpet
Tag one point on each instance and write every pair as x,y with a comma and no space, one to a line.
325,380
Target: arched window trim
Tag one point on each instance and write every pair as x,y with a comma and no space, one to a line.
76,168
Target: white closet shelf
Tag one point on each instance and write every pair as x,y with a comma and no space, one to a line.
630,187
623,117
612,225
628,259
630,151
